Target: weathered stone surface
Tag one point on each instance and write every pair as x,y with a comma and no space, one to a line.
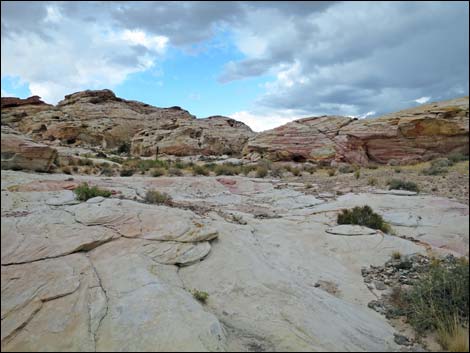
277,282
216,135
415,134
350,230
100,119
20,152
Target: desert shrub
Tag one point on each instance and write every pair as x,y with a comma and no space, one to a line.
331,172
156,197
396,255
277,171
398,184
397,170
211,166
344,169
458,157
200,296
175,172
179,164
66,170
440,298
227,169
310,169
247,169
83,192
372,166
127,172
363,216
296,171
372,181
107,171
85,161
124,148
200,170
265,163
261,171
308,186
156,172
438,166
116,159
357,173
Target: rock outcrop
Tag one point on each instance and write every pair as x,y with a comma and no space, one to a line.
100,119
20,152
416,134
118,274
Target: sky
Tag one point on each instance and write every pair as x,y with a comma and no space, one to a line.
263,63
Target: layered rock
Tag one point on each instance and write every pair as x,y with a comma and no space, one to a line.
215,135
100,119
20,152
415,134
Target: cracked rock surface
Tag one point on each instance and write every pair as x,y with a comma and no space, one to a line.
117,274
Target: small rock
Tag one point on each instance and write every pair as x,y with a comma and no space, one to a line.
401,340
380,285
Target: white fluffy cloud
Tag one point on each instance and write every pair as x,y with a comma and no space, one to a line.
71,54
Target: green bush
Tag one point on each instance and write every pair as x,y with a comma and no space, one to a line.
127,172
438,167
296,171
398,184
84,192
261,171
200,295
439,296
227,169
344,169
247,169
156,197
156,172
124,148
200,170
458,157
363,216
357,174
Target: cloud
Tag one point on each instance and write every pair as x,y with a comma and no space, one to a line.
265,120
356,57
325,57
422,100
72,53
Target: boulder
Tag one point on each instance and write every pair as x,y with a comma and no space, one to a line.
20,152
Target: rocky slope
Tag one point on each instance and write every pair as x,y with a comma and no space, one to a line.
415,134
99,118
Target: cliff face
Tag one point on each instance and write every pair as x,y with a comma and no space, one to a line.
410,135
99,118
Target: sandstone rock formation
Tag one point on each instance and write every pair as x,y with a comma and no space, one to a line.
20,152
100,119
415,134
117,274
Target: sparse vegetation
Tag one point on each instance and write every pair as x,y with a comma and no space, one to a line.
357,173
345,169
331,172
200,170
458,157
200,296
296,171
124,148
398,184
126,172
440,301
84,192
156,172
175,172
372,181
363,216
261,171
438,167
227,169
396,255
156,197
